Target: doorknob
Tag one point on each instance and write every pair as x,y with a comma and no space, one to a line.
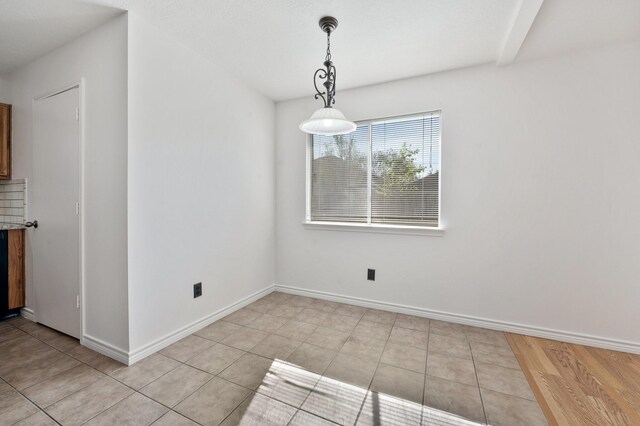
33,224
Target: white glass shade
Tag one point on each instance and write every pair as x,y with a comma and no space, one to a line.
327,121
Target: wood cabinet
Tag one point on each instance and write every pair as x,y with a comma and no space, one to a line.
12,280
5,141
16,268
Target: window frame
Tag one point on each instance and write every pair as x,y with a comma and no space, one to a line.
373,227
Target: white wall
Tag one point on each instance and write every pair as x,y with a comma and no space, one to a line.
5,95
100,57
541,197
201,186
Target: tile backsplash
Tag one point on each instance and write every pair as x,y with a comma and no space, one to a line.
13,201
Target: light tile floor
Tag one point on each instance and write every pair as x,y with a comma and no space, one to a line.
283,360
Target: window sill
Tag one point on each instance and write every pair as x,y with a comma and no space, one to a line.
376,229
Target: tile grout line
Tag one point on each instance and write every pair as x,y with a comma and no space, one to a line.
103,411
424,382
163,375
475,370
501,366
251,391
180,362
268,333
368,390
32,402
236,407
321,376
43,409
374,372
218,374
302,403
136,390
176,404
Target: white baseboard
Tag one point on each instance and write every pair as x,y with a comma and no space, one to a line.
27,313
105,348
90,342
163,342
132,357
565,336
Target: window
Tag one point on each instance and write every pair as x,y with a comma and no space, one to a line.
386,173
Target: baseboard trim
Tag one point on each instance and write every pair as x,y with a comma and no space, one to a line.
105,348
163,342
90,342
565,336
27,313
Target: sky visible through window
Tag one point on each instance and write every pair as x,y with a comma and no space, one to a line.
419,134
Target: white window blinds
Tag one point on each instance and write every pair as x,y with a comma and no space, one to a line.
386,172
339,183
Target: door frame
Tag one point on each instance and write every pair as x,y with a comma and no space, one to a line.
80,85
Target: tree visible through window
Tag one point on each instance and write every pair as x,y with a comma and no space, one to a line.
386,172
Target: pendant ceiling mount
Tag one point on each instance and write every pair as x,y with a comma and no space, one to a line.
328,24
327,120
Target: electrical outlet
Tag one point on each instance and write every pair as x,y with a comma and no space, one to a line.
197,290
371,274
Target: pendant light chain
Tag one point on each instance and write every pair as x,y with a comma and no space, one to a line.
328,73
327,120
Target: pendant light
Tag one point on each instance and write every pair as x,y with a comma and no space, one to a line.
328,120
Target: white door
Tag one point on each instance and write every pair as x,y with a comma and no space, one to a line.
55,192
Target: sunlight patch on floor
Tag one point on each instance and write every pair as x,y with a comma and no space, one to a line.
336,401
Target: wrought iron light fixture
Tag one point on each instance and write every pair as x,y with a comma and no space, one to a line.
327,120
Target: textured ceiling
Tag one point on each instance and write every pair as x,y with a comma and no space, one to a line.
568,25
275,46
31,28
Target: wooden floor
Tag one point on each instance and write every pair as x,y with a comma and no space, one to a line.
580,385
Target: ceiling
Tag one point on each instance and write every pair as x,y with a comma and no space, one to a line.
275,46
568,25
31,28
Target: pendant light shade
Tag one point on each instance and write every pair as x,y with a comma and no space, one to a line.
327,121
